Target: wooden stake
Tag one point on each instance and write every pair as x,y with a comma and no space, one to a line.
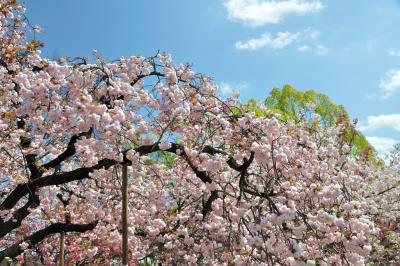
62,247
125,215
6,262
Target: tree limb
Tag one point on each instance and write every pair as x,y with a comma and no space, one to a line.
38,236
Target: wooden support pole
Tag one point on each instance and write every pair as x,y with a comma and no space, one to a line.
6,262
26,260
62,248
125,253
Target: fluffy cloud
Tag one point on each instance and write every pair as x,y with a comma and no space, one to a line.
321,50
228,89
280,41
394,52
318,50
261,12
390,83
303,48
382,121
381,144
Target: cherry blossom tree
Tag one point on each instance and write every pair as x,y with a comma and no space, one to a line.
384,191
296,105
207,184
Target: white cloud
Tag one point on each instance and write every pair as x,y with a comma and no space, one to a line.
303,48
284,39
281,40
390,83
228,89
317,50
382,121
394,52
321,50
381,144
255,43
262,12
312,34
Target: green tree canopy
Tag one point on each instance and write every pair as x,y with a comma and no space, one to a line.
297,105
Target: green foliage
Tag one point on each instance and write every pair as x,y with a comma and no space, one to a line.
166,158
253,106
147,262
237,111
296,105
130,145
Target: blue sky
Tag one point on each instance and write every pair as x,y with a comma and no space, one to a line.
348,49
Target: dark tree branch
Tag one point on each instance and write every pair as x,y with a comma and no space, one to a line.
30,158
244,173
56,179
20,214
207,206
38,236
69,151
33,166
81,173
